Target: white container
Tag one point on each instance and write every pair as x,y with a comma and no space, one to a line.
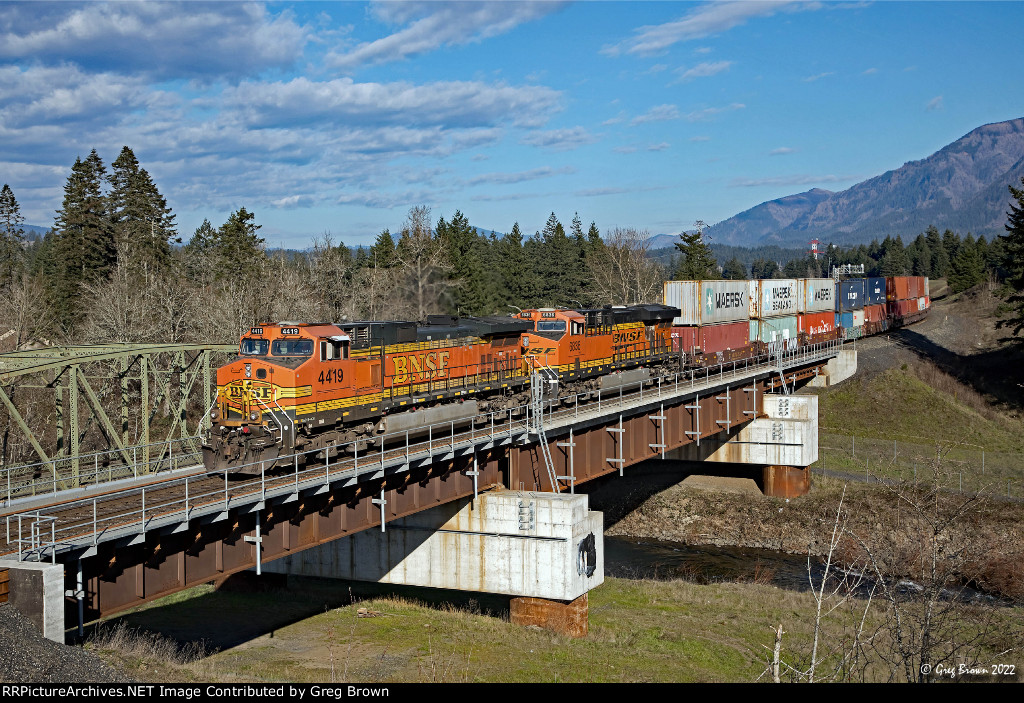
707,302
775,297
816,295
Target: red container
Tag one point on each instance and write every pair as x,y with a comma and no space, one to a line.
816,324
684,339
903,308
724,337
904,288
711,339
874,313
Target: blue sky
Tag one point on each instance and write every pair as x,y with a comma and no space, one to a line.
339,117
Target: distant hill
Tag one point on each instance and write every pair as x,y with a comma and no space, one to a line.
961,187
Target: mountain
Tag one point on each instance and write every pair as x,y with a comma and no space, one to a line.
961,187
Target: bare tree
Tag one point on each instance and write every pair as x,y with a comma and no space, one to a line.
423,265
622,272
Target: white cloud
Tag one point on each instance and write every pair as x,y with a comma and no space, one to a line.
818,76
795,180
662,146
710,18
531,175
658,113
781,150
870,71
625,150
935,104
167,40
344,103
708,112
432,25
559,139
703,70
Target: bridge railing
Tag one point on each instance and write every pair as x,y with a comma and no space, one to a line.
351,461
58,474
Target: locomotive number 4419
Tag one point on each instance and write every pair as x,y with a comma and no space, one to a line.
330,376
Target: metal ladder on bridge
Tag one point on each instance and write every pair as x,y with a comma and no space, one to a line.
542,378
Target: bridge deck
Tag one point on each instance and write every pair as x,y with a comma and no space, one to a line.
73,524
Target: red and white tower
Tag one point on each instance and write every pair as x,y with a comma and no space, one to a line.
814,248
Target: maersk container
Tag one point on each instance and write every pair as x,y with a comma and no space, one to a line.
816,295
775,330
774,297
851,295
707,302
874,291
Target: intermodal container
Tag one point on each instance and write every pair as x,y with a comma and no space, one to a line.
684,339
849,322
922,304
903,308
815,324
708,302
816,295
773,297
710,339
724,337
905,287
776,330
874,291
927,291
851,295
874,313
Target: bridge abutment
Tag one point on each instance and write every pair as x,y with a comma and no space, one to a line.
37,591
838,369
543,549
784,441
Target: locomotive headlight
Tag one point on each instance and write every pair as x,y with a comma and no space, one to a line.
254,416
248,370
214,413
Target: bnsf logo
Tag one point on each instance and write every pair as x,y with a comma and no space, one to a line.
252,389
627,337
421,367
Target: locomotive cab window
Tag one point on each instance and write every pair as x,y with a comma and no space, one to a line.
577,328
551,325
254,347
293,347
333,350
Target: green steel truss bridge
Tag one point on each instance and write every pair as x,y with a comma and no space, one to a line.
73,416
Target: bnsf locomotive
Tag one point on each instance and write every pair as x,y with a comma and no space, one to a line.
298,387
311,388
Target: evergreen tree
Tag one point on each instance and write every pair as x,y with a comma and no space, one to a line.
734,270
238,251
86,250
1013,257
382,253
968,268
143,224
467,273
556,266
764,269
894,260
697,262
516,275
12,236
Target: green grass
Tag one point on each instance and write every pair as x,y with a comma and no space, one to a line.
897,405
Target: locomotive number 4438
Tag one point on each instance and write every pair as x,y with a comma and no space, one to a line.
330,376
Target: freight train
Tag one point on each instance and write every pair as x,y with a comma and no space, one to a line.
311,388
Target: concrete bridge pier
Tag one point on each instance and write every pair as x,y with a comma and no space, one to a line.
783,440
546,550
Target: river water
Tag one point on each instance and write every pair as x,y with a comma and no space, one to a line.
649,558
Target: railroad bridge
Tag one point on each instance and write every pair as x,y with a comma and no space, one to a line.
79,545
